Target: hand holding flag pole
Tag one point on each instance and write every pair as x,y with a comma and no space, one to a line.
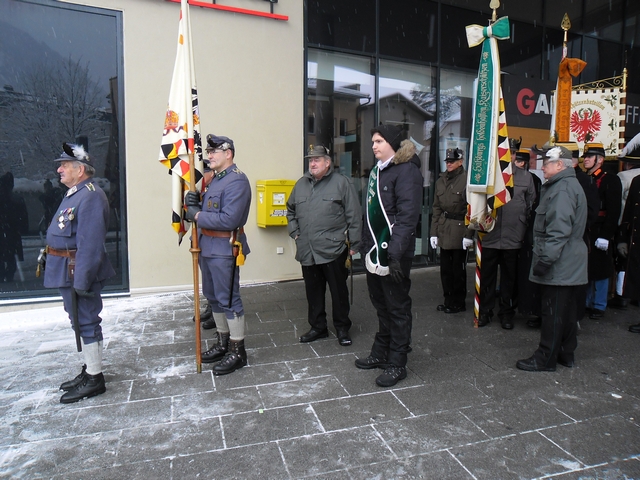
489,180
181,149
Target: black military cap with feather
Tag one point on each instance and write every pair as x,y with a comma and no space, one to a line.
74,153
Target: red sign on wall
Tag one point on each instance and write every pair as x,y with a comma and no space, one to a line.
226,8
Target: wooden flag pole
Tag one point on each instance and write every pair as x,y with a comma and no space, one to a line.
195,254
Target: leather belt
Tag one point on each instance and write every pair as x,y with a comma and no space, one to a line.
61,253
454,216
220,233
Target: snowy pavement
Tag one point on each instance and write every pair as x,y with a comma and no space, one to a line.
304,410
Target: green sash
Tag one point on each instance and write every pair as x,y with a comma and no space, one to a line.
376,259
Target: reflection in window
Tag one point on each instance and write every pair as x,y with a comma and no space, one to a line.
407,97
61,84
339,86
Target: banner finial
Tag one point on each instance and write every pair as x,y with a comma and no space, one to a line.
494,5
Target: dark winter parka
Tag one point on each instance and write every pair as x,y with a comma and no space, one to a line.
401,196
606,224
321,213
630,234
449,209
561,218
511,222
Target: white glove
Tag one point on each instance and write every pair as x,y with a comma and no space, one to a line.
602,244
623,249
466,243
434,242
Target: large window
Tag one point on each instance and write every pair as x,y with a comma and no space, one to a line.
61,80
339,88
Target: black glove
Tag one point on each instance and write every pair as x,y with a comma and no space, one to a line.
395,271
190,214
84,293
540,268
192,199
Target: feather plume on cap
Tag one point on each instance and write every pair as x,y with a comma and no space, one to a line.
74,153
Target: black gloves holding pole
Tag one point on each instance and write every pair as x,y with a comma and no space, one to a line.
192,202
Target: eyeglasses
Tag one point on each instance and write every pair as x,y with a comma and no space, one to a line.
547,162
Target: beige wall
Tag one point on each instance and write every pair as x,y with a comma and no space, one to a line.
250,83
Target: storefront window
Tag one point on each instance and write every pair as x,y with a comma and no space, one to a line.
407,97
61,82
347,24
339,86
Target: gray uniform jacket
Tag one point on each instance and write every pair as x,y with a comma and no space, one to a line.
449,210
511,221
81,223
320,213
561,217
225,207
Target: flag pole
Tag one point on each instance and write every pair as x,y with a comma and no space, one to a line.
195,256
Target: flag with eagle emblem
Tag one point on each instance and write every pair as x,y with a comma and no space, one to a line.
181,135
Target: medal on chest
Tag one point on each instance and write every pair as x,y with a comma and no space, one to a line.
65,216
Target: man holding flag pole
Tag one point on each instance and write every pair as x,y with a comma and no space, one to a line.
490,180
181,149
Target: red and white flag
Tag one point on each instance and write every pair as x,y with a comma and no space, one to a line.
181,135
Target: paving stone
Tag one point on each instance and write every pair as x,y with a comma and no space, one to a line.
254,461
268,425
429,433
340,450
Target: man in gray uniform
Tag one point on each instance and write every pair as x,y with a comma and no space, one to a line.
77,264
221,217
324,214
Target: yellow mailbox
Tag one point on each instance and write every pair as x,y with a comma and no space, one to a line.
272,201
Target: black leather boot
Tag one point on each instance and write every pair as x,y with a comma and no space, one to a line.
90,386
71,384
218,350
205,315
235,358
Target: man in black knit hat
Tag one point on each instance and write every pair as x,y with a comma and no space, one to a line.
394,202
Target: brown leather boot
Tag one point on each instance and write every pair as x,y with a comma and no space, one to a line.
218,350
235,358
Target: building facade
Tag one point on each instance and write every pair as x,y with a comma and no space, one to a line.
275,76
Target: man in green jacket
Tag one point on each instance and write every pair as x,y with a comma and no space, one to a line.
559,261
325,220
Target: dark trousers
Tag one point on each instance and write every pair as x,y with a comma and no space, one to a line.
508,262
559,328
316,278
453,274
393,305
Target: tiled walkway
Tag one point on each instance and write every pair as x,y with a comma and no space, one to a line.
304,410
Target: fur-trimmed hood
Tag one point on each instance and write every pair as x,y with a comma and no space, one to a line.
405,153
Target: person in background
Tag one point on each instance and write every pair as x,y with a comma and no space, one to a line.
206,316
528,291
559,261
449,232
325,220
603,230
629,246
500,248
630,169
394,202
77,264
